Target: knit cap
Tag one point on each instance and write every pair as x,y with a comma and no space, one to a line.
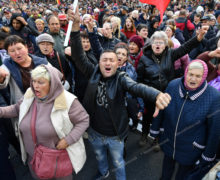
45,38
137,40
204,76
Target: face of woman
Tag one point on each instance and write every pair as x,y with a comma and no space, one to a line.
194,78
19,53
128,23
46,48
156,24
16,24
122,55
41,87
158,46
169,32
114,24
133,48
40,26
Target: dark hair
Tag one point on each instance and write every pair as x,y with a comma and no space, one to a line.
141,26
50,16
182,12
13,39
121,45
84,35
3,35
107,51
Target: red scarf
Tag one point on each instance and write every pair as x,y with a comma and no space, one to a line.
135,59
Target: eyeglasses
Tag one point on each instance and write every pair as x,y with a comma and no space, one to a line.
158,42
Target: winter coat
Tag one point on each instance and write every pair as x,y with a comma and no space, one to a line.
190,126
212,69
116,87
158,71
14,78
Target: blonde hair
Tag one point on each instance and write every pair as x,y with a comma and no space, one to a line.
195,65
118,21
39,20
40,72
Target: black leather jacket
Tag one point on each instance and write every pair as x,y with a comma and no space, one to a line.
158,71
116,87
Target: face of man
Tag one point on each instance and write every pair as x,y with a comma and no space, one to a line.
143,33
108,64
35,14
194,78
108,30
86,44
54,25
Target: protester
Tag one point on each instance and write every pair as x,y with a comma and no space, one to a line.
105,102
156,67
129,28
188,132
46,45
40,25
60,118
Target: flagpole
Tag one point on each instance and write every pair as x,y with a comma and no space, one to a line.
70,25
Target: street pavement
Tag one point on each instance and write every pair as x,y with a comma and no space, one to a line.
141,163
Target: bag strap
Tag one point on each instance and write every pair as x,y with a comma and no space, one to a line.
33,122
61,67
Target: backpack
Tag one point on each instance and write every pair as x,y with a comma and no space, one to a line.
186,32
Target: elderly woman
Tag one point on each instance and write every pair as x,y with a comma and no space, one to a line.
135,106
188,134
15,70
60,120
46,44
156,66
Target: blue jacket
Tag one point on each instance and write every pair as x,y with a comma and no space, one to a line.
190,124
15,72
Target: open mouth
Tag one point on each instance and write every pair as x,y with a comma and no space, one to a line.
107,69
192,83
37,93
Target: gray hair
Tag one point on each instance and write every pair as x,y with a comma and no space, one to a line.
195,65
40,72
159,35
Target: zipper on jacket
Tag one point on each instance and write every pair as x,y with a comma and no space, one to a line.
174,143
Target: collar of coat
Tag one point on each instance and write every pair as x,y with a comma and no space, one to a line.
193,95
59,103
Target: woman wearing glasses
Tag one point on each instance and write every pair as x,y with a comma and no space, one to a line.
156,67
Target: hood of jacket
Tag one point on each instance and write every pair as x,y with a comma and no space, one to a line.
56,87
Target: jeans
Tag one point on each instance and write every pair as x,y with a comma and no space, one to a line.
103,145
169,167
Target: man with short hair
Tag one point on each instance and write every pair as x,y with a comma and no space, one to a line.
57,33
34,15
182,22
142,30
6,20
105,102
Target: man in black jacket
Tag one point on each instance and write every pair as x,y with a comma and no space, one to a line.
105,102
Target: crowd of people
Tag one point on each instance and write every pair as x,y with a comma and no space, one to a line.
122,63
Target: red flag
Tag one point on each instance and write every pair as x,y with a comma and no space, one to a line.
161,5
